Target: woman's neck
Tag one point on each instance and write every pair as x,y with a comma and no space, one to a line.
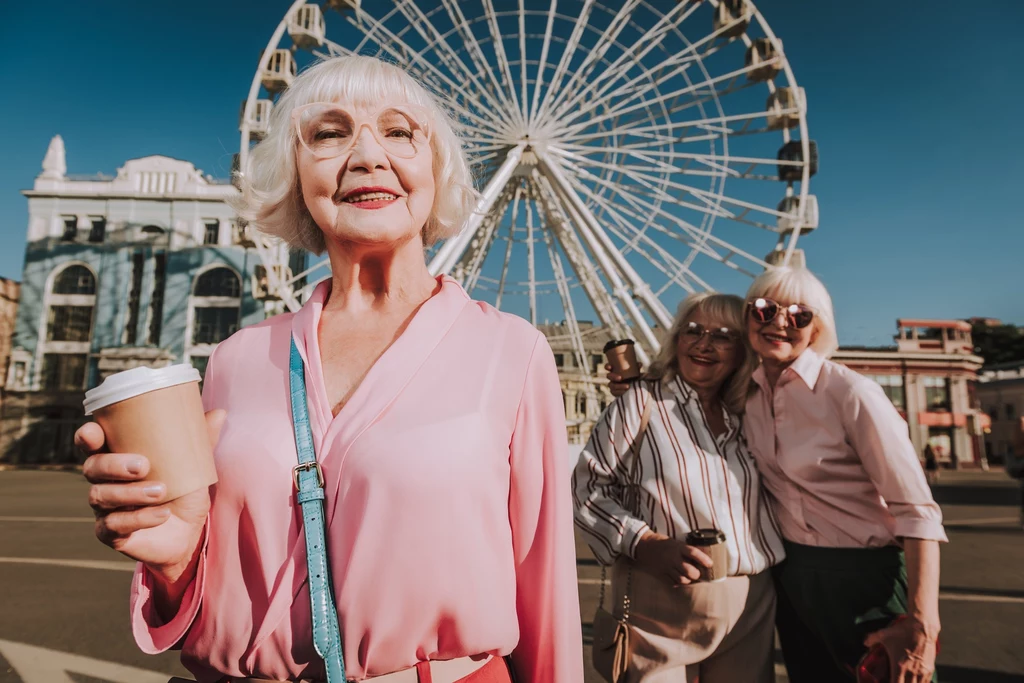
773,369
710,399
372,279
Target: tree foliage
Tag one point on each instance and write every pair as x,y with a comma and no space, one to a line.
998,343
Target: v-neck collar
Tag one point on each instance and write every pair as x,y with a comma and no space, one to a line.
382,383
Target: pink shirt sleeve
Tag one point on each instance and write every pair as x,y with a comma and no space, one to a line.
879,436
151,633
540,513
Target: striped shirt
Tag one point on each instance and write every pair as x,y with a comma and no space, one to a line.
687,479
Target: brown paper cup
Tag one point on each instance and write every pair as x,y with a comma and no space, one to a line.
621,356
166,424
712,542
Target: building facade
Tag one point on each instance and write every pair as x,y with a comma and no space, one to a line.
10,292
148,267
930,376
582,375
1001,394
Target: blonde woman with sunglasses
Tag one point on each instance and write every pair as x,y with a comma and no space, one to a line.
861,529
436,421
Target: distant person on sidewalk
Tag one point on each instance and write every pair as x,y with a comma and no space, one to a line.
1015,464
931,465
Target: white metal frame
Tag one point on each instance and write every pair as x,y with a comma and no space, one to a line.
613,152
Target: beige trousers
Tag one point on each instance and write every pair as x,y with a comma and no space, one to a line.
722,632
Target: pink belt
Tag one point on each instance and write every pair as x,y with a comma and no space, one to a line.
440,671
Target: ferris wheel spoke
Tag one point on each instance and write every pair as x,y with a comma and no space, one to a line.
399,49
469,269
451,251
602,246
567,128
565,294
613,72
568,51
498,43
476,54
585,269
672,268
692,236
698,245
539,82
712,200
531,262
420,21
593,58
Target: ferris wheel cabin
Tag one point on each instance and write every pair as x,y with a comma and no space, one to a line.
790,207
279,71
763,60
791,155
785,107
732,17
306,27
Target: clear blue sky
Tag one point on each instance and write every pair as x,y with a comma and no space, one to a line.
916,108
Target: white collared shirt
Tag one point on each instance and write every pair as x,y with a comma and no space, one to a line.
688,480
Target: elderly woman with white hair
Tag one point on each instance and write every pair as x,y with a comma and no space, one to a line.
861,528
668,460
436,422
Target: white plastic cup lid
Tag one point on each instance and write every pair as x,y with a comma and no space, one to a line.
131,383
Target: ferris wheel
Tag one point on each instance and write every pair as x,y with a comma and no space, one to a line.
627,153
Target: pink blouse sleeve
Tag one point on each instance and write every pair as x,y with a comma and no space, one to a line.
540,511
879,436
151,633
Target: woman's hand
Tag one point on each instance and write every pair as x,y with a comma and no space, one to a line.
616,385
671,559
912,648
131,514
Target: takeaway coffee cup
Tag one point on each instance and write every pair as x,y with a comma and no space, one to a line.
712,542
621,356
158,413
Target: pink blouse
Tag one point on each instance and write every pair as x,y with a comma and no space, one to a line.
448,505
837,459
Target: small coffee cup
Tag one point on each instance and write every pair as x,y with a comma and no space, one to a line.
712,542
158,413
621,356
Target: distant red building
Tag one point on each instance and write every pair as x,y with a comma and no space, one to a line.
930,376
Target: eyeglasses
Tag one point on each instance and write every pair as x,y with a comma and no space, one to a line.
330,130
766,310
722,338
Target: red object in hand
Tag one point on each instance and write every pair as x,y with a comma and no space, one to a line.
874,666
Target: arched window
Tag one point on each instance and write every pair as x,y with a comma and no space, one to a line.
219,282
74,280
215,312
68,319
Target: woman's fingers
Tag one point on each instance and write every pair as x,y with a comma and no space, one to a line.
90,438
123,523
688,573
697,556
104,498
106,467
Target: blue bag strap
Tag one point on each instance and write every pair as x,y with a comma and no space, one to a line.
309,485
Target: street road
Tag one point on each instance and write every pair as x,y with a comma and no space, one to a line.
64,614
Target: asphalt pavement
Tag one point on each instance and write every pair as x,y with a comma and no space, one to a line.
64,596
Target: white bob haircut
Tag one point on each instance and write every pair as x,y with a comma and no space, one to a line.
271,197
724,309
800,286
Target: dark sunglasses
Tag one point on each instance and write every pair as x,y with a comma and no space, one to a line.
721,337
765,310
